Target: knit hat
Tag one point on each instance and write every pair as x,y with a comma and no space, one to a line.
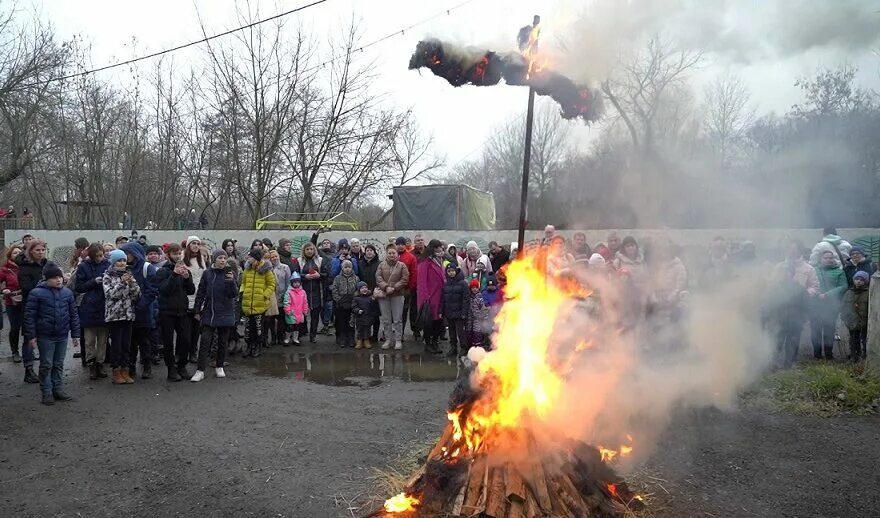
346,263
474,283
355,241
628,240
491,280
190,239
863,275
256,253
294,276
217,253
360,285
283,241
597,260
343,243
152,248
453,266
857,249
117,255
52,270
400,241
81,242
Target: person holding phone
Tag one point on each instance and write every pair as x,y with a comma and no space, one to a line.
175,285
215,309
121,294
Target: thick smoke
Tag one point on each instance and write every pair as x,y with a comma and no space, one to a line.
461,66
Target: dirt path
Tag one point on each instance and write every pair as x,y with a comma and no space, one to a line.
299,436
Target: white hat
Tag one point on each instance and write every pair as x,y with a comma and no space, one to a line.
597,260
354,241
190,239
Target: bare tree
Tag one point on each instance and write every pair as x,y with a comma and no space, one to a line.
728,115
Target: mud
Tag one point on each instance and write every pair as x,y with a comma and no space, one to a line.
300,433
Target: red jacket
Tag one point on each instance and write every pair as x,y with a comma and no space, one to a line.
412,265
9,278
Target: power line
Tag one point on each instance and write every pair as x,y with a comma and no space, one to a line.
173,49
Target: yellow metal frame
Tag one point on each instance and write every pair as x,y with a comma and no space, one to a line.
308,220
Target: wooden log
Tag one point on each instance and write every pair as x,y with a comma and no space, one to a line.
873,347
459,498
516,509
415,476
496,501
445,440
574,498
470,507
532,508
538,485
515,486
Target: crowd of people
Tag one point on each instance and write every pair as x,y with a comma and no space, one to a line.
130,303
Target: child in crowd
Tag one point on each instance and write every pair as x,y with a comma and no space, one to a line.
215,311
344,289
296,308
257,289
478,319
855,315
362,313
49,317
121,294
454,308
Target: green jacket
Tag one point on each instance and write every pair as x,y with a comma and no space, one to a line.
855,309
832,283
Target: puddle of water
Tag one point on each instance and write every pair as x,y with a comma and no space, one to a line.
356,369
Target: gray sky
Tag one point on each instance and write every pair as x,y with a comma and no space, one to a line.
769,46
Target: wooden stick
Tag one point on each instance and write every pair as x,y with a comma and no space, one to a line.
459,499
515,487
445,440
539,487
474,483
495,499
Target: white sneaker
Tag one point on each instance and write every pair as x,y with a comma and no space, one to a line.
387,345
398,345
219,372
198,376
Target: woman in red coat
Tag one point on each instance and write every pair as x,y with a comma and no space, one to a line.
431,278
12,298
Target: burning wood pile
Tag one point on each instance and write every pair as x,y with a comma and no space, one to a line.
499,454
460,66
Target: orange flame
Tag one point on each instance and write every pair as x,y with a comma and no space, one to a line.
401,503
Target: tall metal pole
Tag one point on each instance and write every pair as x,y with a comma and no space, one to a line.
527,160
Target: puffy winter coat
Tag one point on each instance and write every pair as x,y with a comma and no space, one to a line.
412,265
851,269
120,298
830,243
174,291
432,277
29,275
282,280
9,278
854,309
456,298
396,276
215,298
832,283
257,286
344,289
670,281
314,288
144,315
51,313
368,269
91,310
363,309
469,266
336,266
501,258
296,306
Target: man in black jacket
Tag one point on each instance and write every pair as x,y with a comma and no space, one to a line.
175,284
498,256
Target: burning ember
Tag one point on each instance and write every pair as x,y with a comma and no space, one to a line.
460,66
498,456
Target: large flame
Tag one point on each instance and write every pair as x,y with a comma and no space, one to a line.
401,503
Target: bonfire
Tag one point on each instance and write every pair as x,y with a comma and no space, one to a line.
500,454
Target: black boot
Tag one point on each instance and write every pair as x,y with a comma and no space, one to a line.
47,400
173,374
132,372
182,373
99,369
30,376
93,371
147,370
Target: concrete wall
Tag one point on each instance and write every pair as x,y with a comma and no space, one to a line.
693,242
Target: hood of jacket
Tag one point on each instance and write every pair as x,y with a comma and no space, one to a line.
136,251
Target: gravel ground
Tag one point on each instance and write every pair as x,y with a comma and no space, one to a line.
301,432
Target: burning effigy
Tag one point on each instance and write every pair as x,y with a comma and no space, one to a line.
528,67
501,452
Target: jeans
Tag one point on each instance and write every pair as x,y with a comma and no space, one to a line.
457,334
120,342
95,344
208,334
327,312
52,354
172,325
194,332
16,315
391,310
823,328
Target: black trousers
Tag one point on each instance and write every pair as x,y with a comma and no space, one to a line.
208,334
120,343
411,308
179,325
364,332
344,331
314,320
858,342
788,341
140,343
16,317
457,333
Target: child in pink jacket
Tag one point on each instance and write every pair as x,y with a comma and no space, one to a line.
296,306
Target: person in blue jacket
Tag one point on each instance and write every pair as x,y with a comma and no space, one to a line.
144,315
50,316
90,284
